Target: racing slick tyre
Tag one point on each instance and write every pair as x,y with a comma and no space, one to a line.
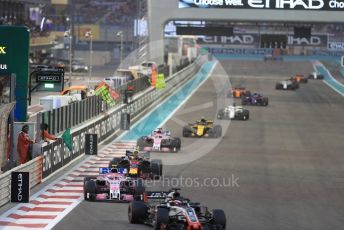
219,218
139,188
179,143
175,144
220,114
162,218
156,168
115,162
90,190
217,131
137,212
245,115
265,101
186,131
278,86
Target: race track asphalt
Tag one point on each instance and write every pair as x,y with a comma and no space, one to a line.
287,160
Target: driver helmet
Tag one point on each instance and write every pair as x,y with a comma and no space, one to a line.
203,119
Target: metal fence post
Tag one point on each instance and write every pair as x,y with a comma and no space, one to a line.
69,116
54,122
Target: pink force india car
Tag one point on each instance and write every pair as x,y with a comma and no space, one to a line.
159,140
112,184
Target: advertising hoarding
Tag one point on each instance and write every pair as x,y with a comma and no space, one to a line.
320,5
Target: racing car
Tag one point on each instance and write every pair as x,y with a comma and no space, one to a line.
112,184
159,140
138,165
238,92
315,76
233,112
202,128
168,210
287,85
255,99
299,78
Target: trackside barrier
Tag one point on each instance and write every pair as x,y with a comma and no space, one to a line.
34,167
57,155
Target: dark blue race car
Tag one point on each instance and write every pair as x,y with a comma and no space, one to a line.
255,99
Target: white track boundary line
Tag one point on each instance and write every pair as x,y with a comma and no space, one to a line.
334,88
330,75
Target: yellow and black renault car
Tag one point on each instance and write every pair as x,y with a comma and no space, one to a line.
202,128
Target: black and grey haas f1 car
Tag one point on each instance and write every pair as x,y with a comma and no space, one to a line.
233,112
287,85
168,210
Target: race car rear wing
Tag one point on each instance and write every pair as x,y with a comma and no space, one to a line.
154,196
158,195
